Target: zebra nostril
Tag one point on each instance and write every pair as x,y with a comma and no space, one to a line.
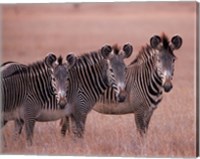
122,96
62,103
121,99
62,100
167,87
62,106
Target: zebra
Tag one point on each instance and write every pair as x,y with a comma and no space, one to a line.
34,92
147,77
89,78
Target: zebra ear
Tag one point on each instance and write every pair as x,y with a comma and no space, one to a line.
71,59
176,42
155,41
128,49
50,59
106,50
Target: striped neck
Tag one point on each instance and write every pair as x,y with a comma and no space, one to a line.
89,75
146,75
41,80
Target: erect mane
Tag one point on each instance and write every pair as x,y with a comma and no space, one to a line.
7,62
60,60
165,41
37,65
90,58
148,50
116,49
145,50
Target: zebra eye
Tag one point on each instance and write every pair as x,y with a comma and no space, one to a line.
53,79
111,70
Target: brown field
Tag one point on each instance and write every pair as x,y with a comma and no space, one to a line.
29,32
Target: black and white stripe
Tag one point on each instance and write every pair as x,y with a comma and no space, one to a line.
89,78
147,77
29,94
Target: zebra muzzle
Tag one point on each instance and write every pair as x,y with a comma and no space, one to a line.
167,81
122,96
62,101
167,86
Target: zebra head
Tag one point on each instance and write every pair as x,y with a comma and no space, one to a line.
116,68
165,58
59,73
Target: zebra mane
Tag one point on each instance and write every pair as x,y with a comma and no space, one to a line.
145,51
148,51
60,60
17,68
7,62
90,58
116,49
95,56
165,41
37,65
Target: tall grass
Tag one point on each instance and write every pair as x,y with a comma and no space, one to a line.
171,134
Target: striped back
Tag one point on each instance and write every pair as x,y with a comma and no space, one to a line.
13,85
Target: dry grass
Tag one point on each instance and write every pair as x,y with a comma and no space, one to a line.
116,136
31,31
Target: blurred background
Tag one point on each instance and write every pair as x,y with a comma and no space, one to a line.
31,31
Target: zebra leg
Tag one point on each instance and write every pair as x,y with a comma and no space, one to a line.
142,119
65,125
29,126
147,118
78,122
140,123
18,128
3,139
30,113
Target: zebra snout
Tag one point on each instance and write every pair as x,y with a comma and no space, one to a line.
62,99
62,103
167,86
167,81
121,96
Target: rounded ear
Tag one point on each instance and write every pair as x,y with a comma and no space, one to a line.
50,59
106,50
176,42
155,41
128,49
71,59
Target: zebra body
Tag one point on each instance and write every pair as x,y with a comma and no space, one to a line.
13,82
52,115
29,94
147,77
90,77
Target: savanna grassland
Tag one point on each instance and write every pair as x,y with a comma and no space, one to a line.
30,31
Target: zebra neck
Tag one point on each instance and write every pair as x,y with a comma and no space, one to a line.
40,81
154,84
144,75
89,78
